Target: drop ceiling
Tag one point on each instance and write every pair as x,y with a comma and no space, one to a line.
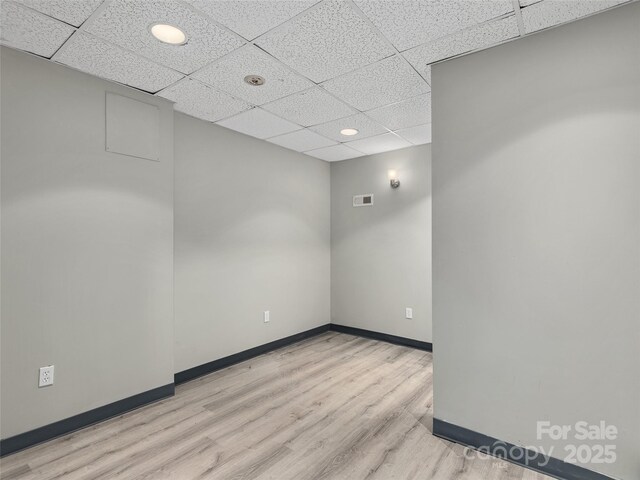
328,65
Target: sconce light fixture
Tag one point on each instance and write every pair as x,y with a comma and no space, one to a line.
394,181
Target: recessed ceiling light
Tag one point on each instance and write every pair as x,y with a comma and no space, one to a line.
255,80
168,34
349,131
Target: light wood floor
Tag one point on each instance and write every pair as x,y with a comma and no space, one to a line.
332,407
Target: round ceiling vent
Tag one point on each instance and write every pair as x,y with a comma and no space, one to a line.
255,80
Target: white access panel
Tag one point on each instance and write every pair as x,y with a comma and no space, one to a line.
132,127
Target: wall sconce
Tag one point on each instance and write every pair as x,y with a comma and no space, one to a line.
394,181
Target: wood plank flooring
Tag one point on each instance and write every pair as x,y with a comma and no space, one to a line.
331,407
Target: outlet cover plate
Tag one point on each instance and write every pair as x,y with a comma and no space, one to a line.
46,376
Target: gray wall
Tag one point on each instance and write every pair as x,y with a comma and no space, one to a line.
251,234
381,255
86,248
536,247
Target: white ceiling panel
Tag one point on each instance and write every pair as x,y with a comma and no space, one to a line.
328,64
387,81
127,23
97,57
310,107
409,23
379,144
326,41
228,75
28,30
554,12
73,12
409,113
251,18
302,140
365,126
417,135
474,38
259,123
203,101
335,153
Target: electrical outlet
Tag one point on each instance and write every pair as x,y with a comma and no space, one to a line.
266,316
46,376
408,313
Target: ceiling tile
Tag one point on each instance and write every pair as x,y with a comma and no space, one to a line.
251,18
334,153
228,75
417,135
259,123
126,23
203,101
28,30
310,107
474,38
413,22
365,126
409,113
302,140
554,12
326,41
379,143
97,57
72,12
387,81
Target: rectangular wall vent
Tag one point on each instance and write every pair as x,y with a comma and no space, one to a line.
365,200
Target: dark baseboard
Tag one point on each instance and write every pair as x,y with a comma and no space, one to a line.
206,368
385,337
210,367
82,420
519,455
